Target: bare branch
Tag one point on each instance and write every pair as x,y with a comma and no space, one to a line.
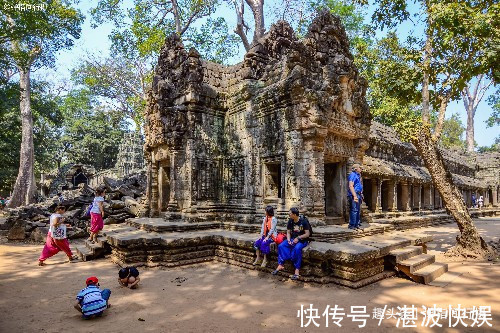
240,10
177,17
257,7
189,21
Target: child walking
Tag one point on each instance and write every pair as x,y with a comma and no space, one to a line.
56,238
97,215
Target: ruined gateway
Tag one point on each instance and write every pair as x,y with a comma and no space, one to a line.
283,128
227,140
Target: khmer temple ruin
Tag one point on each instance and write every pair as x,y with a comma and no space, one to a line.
282,128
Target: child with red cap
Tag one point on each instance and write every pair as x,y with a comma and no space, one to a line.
92,301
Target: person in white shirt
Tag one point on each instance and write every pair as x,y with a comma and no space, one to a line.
56,238
97,215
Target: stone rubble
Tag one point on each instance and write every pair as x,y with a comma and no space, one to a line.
124,199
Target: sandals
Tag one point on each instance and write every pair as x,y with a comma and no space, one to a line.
256,262
294,277
264,263
275,272
41,263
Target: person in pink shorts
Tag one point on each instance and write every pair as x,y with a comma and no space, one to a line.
97,215
53,243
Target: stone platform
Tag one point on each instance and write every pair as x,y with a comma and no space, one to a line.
337,254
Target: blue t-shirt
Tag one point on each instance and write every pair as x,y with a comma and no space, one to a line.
91,300
356,179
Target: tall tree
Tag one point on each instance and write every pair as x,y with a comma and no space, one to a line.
459,42
46,121
34,36
472,95
124,78
90,133
453,130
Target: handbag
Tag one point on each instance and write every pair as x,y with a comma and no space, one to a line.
59,232
280,238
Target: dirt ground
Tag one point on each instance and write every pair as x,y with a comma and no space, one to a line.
221,298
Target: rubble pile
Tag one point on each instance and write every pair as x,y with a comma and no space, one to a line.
124,199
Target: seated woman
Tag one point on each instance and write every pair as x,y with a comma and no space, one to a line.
129,277
268,234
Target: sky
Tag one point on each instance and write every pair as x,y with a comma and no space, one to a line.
95,40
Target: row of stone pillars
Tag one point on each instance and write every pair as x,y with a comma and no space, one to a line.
392,195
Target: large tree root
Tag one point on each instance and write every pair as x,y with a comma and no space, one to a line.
477,252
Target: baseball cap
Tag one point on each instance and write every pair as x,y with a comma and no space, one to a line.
92,280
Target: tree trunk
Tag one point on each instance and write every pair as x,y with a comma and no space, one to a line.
25,187
469,242
469,134
257,7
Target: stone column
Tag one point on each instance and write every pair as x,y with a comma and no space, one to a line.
172,202
494,199
376,199
405,197
416,204
154,189
392,196
428,197
486,198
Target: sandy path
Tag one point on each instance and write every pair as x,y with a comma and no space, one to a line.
222,298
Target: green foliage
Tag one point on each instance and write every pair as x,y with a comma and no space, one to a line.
495,147
494,102
148,22
463,40
37,35
89,133
453,130
46,118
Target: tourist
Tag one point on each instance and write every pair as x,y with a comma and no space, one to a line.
480,201
129,277
92,301
355,197
298,231
268,234
56,238
97,215
473,200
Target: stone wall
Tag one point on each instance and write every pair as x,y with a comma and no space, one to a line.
280,128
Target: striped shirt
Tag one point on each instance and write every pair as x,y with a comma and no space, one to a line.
91,300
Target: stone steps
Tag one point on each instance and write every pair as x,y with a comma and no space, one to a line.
352,263
87,251
418,266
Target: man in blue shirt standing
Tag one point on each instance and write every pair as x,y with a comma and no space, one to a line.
355,197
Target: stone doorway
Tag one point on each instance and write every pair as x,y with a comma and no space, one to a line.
272,183
384,196
79,178
367,193
400,197
163,186
334,195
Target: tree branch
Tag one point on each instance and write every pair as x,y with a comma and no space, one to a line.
189,21
240,10
257,7
442,111
177,17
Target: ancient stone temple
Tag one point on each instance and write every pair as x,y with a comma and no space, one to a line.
396,180
281,128
130,156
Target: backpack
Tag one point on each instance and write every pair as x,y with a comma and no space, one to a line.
88,209
310,226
